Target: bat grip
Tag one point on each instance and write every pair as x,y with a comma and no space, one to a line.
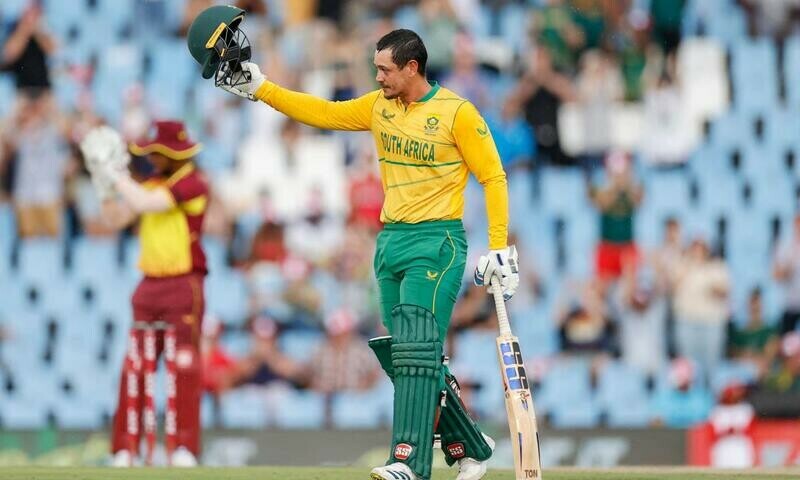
500,306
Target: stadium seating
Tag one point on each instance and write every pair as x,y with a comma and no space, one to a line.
244,408
370,409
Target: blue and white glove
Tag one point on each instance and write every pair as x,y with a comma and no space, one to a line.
502,263
246,89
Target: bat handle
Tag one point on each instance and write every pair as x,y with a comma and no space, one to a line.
500,306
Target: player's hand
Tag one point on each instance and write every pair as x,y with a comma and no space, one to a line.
106,156
502,263
253,78
104,146
103,187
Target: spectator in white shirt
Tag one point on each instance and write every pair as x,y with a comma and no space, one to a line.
702,286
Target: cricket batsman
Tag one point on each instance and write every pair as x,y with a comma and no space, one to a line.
429,140
170,207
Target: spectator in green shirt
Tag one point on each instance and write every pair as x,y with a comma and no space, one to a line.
556,31
617,203
784,377
755,341
666,16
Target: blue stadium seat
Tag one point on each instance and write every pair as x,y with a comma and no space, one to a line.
7,90
216,254
636,413
11,9
118,68
226,296
62,15
244,408
207,412
533,326
582,413
41,260
21,414
666,192
94,259
475,353
28,336
480,25
299,410
791,71
66,298
300,344
116,13
354,410
754,71
721,195
618,382
75,413
731,129
130,257
113,301
237,343
731,371
581,239
563,191
565,384
781,126
171,74
513,24
408,17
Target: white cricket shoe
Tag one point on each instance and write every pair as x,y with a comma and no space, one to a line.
182,457
395,471
471,469
122,459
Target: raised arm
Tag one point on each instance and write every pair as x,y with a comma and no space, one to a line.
317,112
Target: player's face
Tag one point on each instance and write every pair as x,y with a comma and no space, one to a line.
159,162
390,77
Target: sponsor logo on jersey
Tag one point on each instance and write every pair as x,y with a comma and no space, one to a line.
386,115
483,131
456,450
431,275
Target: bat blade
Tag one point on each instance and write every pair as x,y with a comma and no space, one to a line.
519,407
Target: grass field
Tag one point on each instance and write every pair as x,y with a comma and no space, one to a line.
292,473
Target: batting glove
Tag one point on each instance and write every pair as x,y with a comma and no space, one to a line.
502,263
248,88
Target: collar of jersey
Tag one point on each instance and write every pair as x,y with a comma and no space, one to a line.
434,89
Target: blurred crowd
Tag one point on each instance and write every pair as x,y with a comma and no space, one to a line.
297,210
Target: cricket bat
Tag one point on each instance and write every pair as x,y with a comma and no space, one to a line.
519,402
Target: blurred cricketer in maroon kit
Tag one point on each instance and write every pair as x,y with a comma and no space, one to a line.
170,206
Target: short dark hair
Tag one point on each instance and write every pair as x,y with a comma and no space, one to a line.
406,46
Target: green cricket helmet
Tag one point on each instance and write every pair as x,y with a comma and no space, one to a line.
217,44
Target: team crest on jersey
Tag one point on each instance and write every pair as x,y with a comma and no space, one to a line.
402,451
432,124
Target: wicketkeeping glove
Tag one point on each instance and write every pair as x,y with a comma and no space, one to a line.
106,156
502,263
246,89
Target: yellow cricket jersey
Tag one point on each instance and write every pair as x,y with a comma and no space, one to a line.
170,240
426,151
